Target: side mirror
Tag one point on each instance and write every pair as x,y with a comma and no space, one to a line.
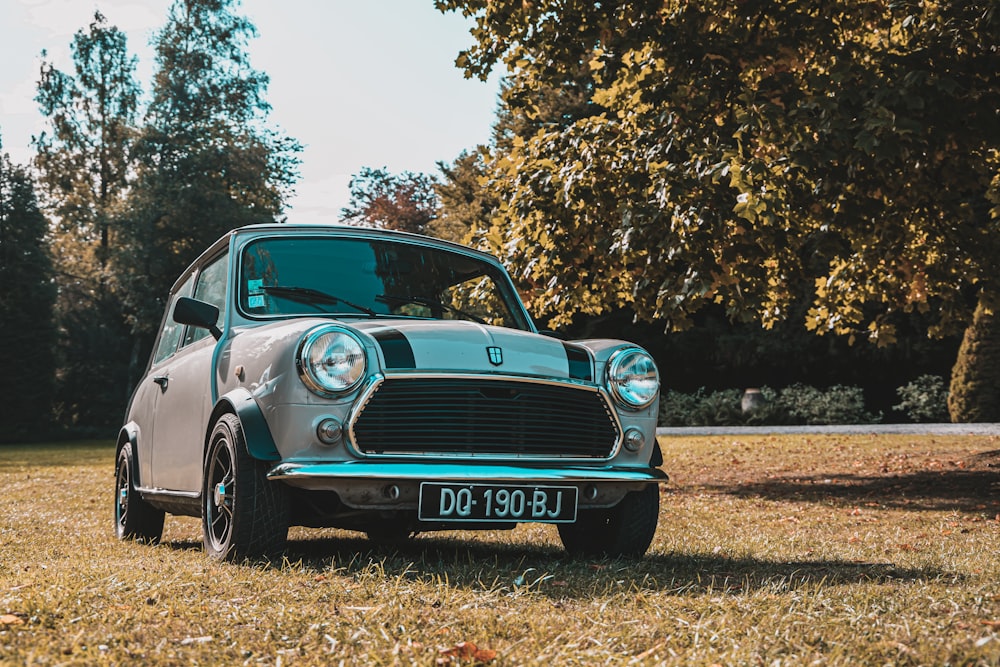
197,314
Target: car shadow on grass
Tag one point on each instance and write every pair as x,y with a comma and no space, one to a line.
966,491
548,570
471,564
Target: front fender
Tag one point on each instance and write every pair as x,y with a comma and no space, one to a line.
129,433
260,442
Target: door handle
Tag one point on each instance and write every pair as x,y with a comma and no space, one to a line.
161,380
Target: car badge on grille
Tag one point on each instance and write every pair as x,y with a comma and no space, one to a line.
496,355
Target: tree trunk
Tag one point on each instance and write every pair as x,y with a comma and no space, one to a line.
975,380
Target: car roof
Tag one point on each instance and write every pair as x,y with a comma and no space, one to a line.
353,231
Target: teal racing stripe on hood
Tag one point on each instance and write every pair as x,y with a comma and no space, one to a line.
580,367
395,348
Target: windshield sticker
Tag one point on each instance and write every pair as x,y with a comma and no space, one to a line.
256,301
255,286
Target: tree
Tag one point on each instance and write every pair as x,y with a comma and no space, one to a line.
84,161
207,160
27,294
464,204
737,151
975,386
406,202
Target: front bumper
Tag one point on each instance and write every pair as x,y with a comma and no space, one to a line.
387,485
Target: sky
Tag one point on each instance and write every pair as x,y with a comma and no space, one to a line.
360,83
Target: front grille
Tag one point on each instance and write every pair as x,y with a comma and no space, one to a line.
482,417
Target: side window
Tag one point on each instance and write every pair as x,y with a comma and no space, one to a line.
210,288
171,332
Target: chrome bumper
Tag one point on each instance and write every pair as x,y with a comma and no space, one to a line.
389,485
464,472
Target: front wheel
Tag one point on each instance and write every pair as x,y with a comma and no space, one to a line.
243,514
626,529
135,519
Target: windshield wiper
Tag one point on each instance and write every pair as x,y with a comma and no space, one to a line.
429,303
312,296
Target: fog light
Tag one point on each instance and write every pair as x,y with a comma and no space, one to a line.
634,440
330,431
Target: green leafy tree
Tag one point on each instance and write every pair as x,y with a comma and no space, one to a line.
464,203
975,385
379,198
207,160
737,151
27,295
84,165
83,158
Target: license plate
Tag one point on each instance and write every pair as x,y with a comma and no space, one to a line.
499,503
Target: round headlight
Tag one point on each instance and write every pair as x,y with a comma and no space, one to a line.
633,378
331,361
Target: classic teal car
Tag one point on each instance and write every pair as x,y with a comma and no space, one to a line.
381,382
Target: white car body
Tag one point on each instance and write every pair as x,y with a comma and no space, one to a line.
455,401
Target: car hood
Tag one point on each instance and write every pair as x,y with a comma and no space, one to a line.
459,345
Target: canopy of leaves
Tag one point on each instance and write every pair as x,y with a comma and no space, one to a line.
733,152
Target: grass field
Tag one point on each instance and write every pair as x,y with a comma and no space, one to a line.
771,551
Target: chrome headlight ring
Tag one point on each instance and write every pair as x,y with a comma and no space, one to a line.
331,361
632,378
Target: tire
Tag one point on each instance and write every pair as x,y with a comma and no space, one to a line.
243,515
625,530
135,519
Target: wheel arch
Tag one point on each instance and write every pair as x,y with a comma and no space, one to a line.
129,433
259,441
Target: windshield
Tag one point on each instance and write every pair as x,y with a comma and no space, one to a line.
372,278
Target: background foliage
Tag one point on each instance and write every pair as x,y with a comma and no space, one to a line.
718,182
27,298
134,193
758,156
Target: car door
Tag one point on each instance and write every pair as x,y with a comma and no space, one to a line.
150,389
186,398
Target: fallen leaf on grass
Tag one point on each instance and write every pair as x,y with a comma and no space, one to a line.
992,624
11,619
466,651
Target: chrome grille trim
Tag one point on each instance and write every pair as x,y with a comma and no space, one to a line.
449,418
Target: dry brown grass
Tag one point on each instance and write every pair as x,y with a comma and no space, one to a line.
771,550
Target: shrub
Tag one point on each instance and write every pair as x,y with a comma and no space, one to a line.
797,404
975,380
924,399
718,408
836,405
676,408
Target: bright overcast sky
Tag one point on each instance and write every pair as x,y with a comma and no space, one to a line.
360,83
